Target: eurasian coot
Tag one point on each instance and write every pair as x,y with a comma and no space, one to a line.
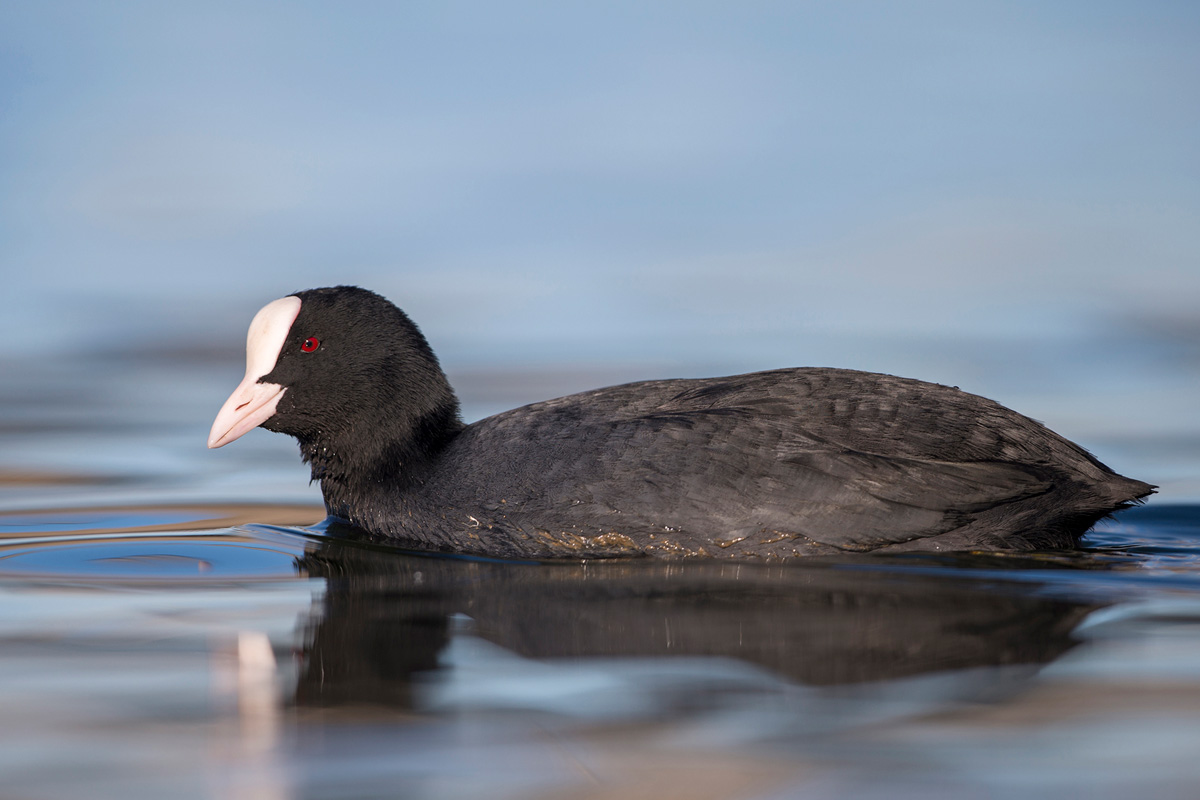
792,462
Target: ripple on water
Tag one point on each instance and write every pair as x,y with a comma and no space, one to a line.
152,544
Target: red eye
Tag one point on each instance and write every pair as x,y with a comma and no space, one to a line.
310,344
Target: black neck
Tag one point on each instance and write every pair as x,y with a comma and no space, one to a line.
390,457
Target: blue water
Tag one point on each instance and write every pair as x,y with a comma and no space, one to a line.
177,622
264,661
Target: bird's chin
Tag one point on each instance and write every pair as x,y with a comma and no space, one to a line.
250,405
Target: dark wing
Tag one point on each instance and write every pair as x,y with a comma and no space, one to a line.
893,500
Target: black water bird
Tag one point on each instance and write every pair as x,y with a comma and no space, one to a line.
792,462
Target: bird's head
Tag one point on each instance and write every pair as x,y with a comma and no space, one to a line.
341,369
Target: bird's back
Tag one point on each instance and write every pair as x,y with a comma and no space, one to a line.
772,464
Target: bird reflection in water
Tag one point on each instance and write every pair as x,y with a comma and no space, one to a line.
599,638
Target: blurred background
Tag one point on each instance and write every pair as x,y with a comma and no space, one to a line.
1002,197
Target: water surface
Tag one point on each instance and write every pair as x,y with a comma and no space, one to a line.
177,624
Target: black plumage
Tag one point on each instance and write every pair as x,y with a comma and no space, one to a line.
792,462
